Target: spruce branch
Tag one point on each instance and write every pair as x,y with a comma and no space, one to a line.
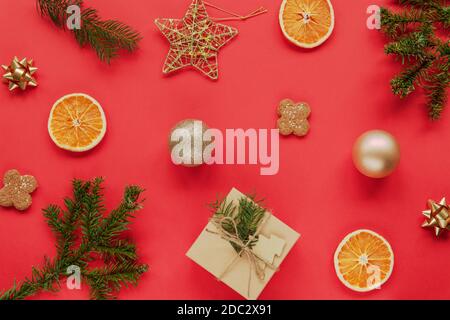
397,23
403,84
420,3
106,37
247,215
437,91
104,281
84,236
414,38
413,45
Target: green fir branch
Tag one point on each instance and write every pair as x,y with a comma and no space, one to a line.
119,250
413,45
394,23
84,236
106,37
403,84
437,91
424,54
247,216
106,280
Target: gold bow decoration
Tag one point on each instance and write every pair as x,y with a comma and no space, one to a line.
229,230
438,216
19,74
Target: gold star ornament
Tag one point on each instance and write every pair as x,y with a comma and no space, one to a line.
19,74
195,40
438,216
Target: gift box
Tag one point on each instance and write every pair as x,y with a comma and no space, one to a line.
245,265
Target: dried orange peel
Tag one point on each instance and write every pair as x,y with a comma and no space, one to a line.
307,23
364,261
77,122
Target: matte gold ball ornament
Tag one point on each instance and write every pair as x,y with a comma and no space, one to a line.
376,154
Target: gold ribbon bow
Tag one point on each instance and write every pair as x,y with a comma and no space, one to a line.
245,249
437,216
19,74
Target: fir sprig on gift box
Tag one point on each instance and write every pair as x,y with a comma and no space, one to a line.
85,236
247,215
415,39
106,37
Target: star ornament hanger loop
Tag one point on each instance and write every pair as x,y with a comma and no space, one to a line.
196,39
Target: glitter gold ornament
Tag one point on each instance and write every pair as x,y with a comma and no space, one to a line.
438,216
186,143
376,154
19,74
195,40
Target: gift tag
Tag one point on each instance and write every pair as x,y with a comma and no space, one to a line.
268,248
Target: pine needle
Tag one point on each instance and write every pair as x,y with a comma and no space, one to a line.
424,54
106,37
248,214
85,236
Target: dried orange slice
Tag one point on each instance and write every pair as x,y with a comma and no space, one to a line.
363,260
307,23
77,122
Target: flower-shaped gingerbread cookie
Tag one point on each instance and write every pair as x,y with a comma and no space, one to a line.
16,190
293,118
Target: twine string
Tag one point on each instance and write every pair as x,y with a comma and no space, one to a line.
252,257
236,16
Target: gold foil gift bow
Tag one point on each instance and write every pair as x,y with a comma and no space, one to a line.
438,216
19,74
257,264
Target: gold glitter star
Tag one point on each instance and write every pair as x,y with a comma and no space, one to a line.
438,216
195,40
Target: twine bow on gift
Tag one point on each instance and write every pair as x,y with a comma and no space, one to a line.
245,248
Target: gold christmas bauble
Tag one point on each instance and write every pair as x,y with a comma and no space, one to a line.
376,154
186,143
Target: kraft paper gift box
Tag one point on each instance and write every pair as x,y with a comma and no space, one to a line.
217,255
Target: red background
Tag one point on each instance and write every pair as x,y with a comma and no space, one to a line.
317,191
